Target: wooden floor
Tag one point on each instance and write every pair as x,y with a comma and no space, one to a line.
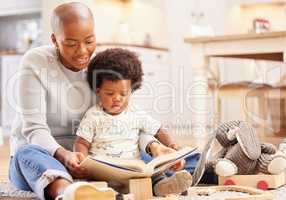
4,158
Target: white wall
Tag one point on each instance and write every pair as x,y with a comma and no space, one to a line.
193,103
139,17
240,18
178,16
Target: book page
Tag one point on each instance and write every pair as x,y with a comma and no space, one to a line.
128,164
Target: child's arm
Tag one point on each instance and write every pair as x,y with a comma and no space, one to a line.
158,149
165,138
169,145
81,145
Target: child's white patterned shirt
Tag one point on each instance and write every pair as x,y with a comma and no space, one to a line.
116,135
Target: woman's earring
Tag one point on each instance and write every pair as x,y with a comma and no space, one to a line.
58,52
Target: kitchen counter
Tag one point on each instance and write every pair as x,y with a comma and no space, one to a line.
269,46
113,44
235,37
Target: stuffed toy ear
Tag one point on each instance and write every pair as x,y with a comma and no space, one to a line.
248,141
222,131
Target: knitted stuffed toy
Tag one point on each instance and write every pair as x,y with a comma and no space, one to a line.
243,153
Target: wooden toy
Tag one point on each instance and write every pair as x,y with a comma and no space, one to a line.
260,181
99,184
251,193
141,188
128,197
169,197
91,193
83,190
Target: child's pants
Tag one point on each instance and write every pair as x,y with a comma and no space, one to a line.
209,176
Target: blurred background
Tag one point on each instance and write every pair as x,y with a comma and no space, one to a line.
244,38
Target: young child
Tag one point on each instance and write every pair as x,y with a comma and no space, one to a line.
116,127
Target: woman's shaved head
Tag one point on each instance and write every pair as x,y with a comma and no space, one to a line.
68,13
73,34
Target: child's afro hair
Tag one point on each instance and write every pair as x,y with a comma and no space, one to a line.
115,64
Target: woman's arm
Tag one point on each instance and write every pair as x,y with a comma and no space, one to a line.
32,97
33,94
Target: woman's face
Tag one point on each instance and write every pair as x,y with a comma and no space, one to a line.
76,43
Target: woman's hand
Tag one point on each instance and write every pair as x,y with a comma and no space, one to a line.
71,160
160,149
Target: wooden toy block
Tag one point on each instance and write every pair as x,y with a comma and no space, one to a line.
99,184
128,197
260,181
252,193
169,197
85,192
141,188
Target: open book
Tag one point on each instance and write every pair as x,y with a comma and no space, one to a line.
121,170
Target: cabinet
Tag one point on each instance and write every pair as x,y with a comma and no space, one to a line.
157,91
15,7
156,94
9,65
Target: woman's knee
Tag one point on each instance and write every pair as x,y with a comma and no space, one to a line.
37,160
29,155
29,151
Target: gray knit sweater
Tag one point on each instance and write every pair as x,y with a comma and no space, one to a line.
51,101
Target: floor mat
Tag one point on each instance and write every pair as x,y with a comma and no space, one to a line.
9,192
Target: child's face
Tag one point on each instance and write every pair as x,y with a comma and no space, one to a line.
114,95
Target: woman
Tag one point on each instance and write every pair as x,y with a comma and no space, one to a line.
53,96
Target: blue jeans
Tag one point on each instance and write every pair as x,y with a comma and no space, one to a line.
32,168
209,176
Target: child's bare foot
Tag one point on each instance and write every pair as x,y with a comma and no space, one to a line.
175,184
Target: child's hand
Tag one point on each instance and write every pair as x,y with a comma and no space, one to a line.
73,164
71,161
179,165
160,149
